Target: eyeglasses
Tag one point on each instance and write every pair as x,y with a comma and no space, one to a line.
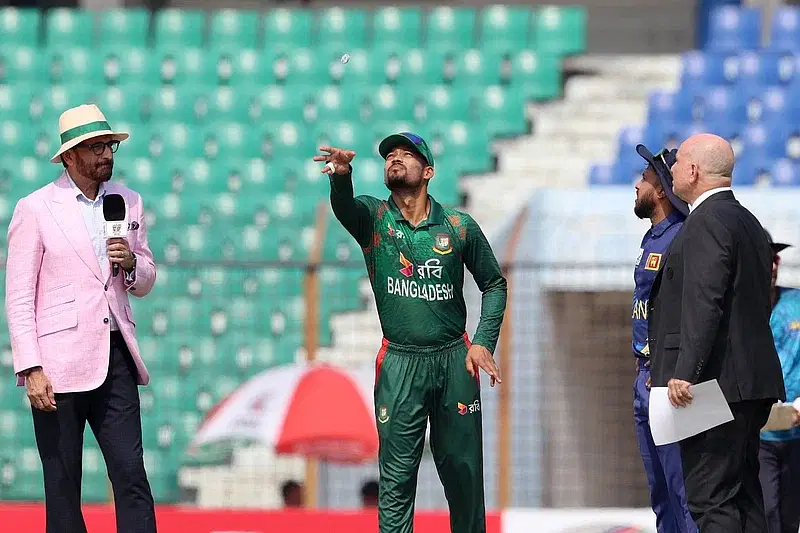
99,148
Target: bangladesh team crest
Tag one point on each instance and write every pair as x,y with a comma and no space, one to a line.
442,244
383,414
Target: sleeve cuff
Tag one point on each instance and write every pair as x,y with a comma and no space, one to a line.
130,277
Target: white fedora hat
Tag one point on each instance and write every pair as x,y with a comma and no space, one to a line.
80,123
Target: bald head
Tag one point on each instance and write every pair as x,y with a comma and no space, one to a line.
704,162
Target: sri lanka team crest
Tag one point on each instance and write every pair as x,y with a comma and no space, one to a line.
442,244
653,262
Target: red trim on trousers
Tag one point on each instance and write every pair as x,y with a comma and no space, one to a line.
379,359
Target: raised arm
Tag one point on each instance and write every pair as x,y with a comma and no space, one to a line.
355,213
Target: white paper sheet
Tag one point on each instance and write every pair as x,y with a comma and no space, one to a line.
670,424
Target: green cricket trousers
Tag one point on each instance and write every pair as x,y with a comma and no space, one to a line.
414,384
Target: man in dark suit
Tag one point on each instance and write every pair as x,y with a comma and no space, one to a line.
709,319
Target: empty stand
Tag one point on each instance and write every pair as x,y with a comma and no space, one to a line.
736,86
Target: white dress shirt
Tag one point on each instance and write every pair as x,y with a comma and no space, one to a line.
702,197
92,211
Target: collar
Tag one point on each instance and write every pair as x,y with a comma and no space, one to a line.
705,195
673,218
435,217
101,190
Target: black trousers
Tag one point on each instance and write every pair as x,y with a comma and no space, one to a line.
721,472
780,481
112,411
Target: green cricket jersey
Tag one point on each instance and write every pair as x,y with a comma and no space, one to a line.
417,274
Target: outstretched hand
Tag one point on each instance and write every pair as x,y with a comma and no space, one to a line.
479,357
339,157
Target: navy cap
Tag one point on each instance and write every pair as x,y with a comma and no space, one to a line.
776,246
662,163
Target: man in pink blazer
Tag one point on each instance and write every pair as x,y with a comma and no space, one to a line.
71,326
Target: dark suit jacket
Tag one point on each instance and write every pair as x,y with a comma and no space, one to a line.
710,305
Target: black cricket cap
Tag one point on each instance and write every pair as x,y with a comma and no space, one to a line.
776,246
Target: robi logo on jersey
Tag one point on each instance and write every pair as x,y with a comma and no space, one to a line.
471,408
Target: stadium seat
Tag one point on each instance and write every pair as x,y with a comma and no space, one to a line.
69,27
20,26
74,65
397,25
505,29
786,173
288,28
450,27
538,75
179,28
785,29
733,28
343,28
21,64
560,31
129,27
231,27
603,175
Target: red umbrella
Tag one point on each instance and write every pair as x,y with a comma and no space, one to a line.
317,411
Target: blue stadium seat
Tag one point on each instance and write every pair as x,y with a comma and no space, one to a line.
785,29
699,69
628,138
778,106
767,142
786,173
733,28
751,170
724,104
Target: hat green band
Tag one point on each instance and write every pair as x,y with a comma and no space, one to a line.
100,125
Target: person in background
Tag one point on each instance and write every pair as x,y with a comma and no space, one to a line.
369,494
292,493
662,464
779,454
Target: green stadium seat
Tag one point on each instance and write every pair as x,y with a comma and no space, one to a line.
335,104
363,68
239,67
476,67
342,27
342,133
129,27
301,66
288,28
539,75
504,29
179,28
400,25
389,59
444,103
230,139
450,26
27,174
286,139
15,101
20,26
183,104
134,66
502,111
560,31
465,146
74,65
279,103
234,104
69,27
18,139
424,66
187,66
21,64
388,102
125,103
234,27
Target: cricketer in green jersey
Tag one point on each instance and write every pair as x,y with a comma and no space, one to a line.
415,251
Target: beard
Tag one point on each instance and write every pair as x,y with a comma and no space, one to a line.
99,172
644,206
397,179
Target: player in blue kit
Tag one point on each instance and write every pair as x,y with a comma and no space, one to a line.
779,455
656,201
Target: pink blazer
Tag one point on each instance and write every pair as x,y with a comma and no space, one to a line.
56,300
